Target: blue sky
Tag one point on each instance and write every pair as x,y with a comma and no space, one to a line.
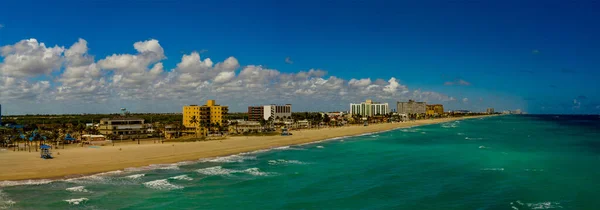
542,58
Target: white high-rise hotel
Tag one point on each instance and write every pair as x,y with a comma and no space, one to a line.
369,108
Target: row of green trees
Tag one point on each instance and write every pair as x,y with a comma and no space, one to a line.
87,118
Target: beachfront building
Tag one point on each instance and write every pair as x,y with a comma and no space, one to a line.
241,126
369,109
170,131
281,112
205,118
89,137
123,127
490,111
434,110
412,108
275,112
255,113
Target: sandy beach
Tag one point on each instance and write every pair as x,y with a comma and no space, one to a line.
89,160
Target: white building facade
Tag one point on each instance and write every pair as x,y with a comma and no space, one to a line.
369,109
281,112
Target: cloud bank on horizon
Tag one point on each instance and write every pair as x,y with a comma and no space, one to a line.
63,76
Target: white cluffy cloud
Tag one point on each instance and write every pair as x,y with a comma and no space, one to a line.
32,70
29,58
360,82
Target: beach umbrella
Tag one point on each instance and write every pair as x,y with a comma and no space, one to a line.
69,138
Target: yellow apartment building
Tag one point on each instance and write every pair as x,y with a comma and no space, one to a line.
434,109
210,115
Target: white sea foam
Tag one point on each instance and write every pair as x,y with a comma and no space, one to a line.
515,208
88,179
77,201
534,170
78,189
174,166
320,147
449,125
182,177
135,176
215,171
423,133
244,153
256,172
109,173
460,134
338,138
183,163
468,138
409,130
24,182
161,184
285,162
366,134
220,171
95,178
492,169
483,147
5,202
229,159
545,205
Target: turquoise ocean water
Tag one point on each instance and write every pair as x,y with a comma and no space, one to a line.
505,162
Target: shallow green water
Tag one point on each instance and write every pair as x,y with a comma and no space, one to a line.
508,162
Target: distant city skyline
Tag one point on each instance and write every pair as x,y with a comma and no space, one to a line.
97,57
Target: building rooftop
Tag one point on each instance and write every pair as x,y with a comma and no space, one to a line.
121,119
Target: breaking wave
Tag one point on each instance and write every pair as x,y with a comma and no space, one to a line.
220,171
136,176
285,162
450,125
77,189
410,130
216,170
540,205
182,177
162,184
229,159
5,202
320,147
174,166
24,182
544,205
255,172
77,201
